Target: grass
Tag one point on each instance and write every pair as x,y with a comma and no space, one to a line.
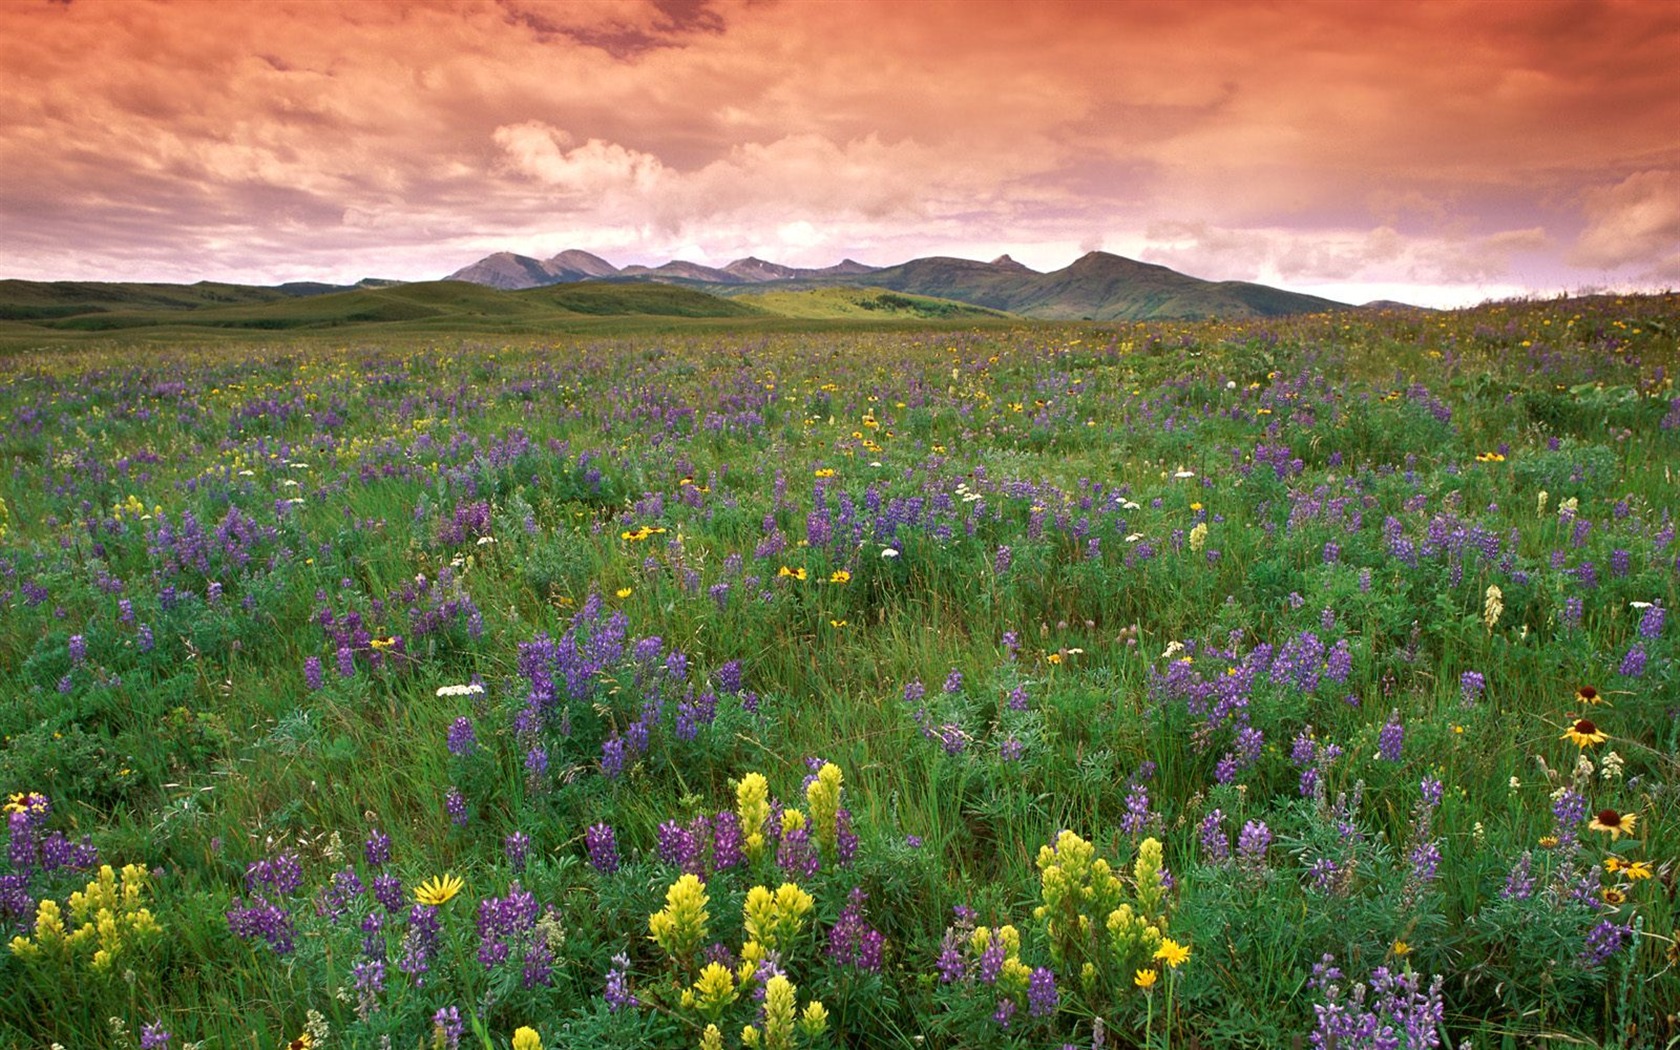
1220,586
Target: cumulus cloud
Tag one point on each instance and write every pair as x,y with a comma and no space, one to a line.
1635,222
1319,143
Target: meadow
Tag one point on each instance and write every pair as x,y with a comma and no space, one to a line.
1139,685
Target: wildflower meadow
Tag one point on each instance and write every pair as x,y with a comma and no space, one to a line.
1212,684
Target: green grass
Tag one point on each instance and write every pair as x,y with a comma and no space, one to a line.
758,443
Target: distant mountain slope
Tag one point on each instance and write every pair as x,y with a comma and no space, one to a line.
1098,286
431,304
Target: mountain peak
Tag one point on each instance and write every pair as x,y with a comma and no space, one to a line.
1004,262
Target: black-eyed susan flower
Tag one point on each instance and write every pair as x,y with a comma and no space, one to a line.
1588,695
1584,734
1548,841
1617,824
1637,870
839,576
438,890
1613,864
1612,896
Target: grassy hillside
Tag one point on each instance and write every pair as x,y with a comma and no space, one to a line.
859,303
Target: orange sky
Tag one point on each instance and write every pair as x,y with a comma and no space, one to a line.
1435,152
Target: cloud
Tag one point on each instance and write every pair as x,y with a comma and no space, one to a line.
1635,222
1332,256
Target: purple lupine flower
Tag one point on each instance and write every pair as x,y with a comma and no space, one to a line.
1426,859
377,849
1010,751
456,804
461,737
143,638
991,961
387,890
603,848
78,649
517,848
914,691
678,846
419,942
1432,791
1572,611
845,839
154,1036
618,994
1001,561
1633,664
373,935
1042,997
263,918
1137,810
1391,741
950,964
369,977
727,849
1005,1012
312,673
954,681
1651,622
1018,698
1252,843
1216,845
1470,686
1603,941
612,757
1519,883
796,855
447,1027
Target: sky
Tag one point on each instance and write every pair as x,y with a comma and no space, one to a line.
1437,153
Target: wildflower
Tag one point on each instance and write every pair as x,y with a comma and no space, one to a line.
1548,842
681,926
1617,824
839,576
624,592
1172,953
1145,979
438,890
526,1038
1583,733
797,574
1637,870
1612,896
1588,695
1401,949
1493,607
889,552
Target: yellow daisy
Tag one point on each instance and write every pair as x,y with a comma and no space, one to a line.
438,890
1637,870
1172,953
1145,979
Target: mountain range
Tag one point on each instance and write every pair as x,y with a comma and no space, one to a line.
1098,286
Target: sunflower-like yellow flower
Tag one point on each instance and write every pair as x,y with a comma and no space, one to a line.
437,891
1617,824
1637,870
1172,953
839,576
1145,979
1588,695
1583,733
